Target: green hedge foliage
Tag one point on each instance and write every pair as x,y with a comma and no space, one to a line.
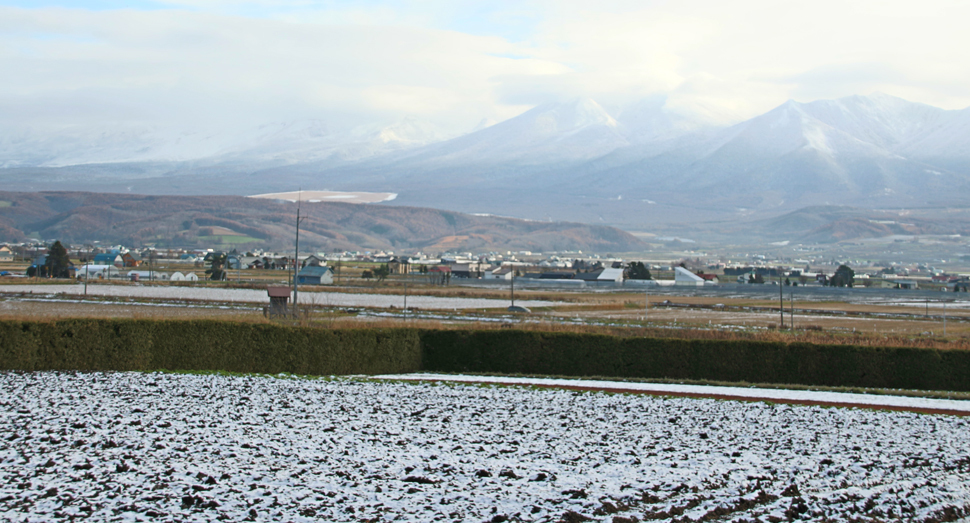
89,344
571,354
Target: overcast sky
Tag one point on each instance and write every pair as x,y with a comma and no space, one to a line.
222,62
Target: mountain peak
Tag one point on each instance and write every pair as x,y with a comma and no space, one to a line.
571,116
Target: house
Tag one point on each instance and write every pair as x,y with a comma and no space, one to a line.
6,255
250,262
501,273
709,278
468,270
315,275
400,265
131,259
108,258
314,259
234,261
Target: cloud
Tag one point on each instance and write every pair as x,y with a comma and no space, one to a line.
194,62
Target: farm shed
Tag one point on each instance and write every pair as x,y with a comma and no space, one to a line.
315,275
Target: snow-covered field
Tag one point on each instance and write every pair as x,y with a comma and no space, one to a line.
781,395
328,299
133,446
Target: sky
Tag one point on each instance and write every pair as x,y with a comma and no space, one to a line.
225,63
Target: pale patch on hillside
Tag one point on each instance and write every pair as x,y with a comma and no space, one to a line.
329,196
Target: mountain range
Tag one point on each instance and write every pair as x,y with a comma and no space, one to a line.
647,167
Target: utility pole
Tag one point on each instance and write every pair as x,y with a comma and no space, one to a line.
512,280
944,319
296,258
791,303
405,295
646,309
781,299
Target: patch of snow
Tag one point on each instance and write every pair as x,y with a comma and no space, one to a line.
139,446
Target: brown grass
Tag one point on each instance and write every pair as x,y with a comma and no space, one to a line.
803,335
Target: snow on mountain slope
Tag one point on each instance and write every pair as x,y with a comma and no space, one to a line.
57,146
549,133
314,140
947,141
650,121
791,150
880,119
281,142
795,154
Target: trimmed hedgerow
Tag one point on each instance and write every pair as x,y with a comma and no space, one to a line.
95,344
577,354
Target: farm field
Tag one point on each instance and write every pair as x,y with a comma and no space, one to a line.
174,447
871,313
259,296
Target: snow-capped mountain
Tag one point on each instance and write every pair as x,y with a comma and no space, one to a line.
551,133
78,145
848,150
947,141
874,150
280,142
653,121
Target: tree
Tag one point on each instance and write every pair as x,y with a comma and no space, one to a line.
757,278
382,272
57,263
217,267
844,277
367,274
637,271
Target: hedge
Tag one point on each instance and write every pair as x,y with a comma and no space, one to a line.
574,354
91,344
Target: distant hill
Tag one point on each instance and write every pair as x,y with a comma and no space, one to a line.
222,221
829,224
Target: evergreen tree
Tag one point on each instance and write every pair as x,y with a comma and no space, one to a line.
57,263
844,277
382,272
637,271
217,267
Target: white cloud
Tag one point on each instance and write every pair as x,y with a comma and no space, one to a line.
456,64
